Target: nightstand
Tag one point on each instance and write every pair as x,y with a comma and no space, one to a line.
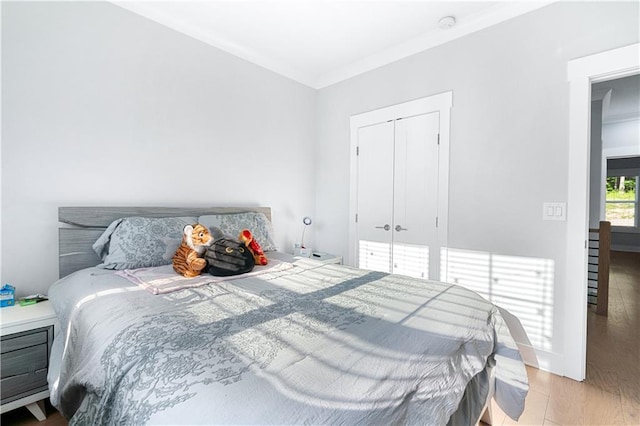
26,337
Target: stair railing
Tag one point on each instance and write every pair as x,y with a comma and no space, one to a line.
599,265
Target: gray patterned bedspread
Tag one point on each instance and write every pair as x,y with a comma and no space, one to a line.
315,344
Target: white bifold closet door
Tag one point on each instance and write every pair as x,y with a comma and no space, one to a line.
397,201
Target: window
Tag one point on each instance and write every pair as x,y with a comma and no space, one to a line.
622,201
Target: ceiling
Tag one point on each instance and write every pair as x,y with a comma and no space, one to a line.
319,43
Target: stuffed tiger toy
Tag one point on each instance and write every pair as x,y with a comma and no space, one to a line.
187,261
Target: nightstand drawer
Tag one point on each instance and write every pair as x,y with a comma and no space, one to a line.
24,360
17,341
16,387
26,334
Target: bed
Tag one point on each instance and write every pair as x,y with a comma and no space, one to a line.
298,342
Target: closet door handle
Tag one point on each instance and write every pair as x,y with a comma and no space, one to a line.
386,227
400,228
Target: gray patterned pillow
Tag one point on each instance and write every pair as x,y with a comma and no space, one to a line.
138,242
232,223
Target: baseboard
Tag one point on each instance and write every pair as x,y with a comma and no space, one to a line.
543,360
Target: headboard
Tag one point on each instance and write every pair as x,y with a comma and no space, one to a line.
88,223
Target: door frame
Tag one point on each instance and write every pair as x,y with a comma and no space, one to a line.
581,73
441,103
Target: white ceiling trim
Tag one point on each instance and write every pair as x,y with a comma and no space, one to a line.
499,13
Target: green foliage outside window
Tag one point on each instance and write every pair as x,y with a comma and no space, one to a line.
621,201
622,188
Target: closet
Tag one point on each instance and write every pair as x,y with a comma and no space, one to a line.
399,187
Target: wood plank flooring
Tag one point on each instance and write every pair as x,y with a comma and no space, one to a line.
610,395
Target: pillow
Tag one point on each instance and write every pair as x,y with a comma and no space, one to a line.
138,242
232,223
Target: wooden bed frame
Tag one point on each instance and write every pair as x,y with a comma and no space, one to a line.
86,224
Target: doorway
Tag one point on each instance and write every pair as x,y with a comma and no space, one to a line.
581,74
615,171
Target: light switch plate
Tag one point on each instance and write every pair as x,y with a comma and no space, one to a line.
554,211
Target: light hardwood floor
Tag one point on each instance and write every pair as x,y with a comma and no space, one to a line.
610,395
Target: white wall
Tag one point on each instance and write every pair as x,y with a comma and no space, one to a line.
1,91
103,107
509,144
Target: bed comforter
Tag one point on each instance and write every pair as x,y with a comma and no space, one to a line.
313,344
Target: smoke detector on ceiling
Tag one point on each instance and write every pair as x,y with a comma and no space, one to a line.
447,22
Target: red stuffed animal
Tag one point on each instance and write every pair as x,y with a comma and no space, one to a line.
254,247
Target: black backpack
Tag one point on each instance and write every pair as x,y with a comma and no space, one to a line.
227,256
